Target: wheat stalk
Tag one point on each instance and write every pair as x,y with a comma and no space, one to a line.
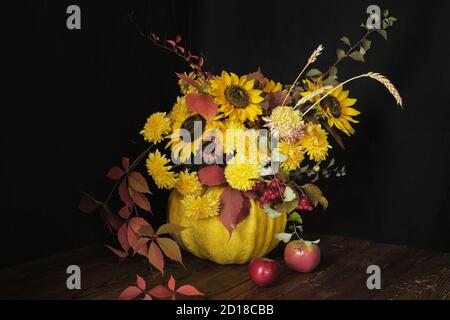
312,95
388,84
311,59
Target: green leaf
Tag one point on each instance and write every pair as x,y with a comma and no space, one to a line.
386,12
333,72
314,73
356,55
295,217
285,237
362,51
383,33
366,44
346,41
340,53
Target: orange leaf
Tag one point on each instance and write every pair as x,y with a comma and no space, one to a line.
125,163
124,194
140,199
137,223
189,80
160,292
232,202
130,293
203,104
123,237
171,283
211,176
125,212
140,282
189,290
137,182
170,249
155,257
115,173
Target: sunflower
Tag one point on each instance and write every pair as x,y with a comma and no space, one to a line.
201,207
188,184
336,107
315,142
161,174
236,96
183,146
294,152
156,127
185,87
241,175
272,87
179,110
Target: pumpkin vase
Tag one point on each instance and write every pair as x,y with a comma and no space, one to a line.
209,239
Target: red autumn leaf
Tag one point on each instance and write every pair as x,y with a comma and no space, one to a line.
113,221
189,80
245,210
211,175
203,104
177,38
137,182
88,204
160,292
147,297
274,99
189,290
169,228
115,173
181,49
137,223
232,202
170,249
122,236
125,163
140,247
124,194
155,257
171,283
130,293
201,61
117,252
125,213
171,42
140,199
140,282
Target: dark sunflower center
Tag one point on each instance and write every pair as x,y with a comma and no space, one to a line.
193,122
237,96
332,104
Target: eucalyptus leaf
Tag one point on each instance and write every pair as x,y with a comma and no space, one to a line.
289,194
285,237
340,53
314,73
383,33
271,212
366,44
356,55
346,41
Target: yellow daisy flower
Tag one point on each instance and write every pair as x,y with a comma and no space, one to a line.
336,107
161,174
315,142
236,96
179,110
201,207
295,154
157,126
286,123
241,175
188,184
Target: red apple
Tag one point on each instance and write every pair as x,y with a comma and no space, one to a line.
264,272
301,255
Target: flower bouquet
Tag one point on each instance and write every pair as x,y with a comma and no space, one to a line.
241,156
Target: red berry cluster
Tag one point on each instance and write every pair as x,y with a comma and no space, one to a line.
304,204
271,192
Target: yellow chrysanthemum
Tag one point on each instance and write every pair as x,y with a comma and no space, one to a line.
315,142
156,127
294,152
201,207
160,173
179,110
336,107
185,87
286,123
188,184
241,175
272,86
236,96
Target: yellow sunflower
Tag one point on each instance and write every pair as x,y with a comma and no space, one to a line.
236,96
160,173
241,175
188,184
186,137
294,152
272,86
156,127
179,110
336,107
185,87
315,142
201,207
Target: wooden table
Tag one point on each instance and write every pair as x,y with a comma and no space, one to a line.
406,273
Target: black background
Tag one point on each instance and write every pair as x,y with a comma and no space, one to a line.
79,98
